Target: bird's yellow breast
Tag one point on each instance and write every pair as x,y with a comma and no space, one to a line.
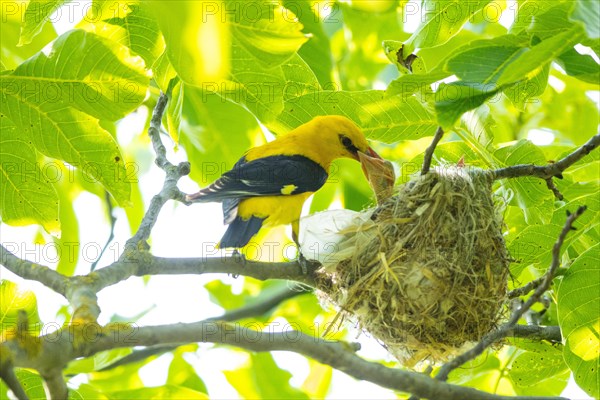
278,210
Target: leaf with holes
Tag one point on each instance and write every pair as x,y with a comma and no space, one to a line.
26,195
57,100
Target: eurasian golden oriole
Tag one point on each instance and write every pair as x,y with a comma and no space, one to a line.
270,183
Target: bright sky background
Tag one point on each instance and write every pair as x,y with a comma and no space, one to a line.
169,299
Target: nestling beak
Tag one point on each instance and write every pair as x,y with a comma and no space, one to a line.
366,157
379,173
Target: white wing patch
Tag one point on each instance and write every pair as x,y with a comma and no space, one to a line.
288,189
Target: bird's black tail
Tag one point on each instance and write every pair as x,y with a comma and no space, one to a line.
240,231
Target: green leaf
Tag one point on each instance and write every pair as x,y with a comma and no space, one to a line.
32,383
83,70
524,92
411,83
526,12
483,61
318,381
578,304
452,152
578,194
12,55
174,110
456,98
570,114
138,30
28,196
160,392
587,12
249,380
270,33
366,30
219,133
55,101
541,372
258,87
14,299
442,19
97,361
317,50
580,66
383,118
482,372
68,242
531,62
86,391
180,21
182,374
163,72
552,22
36,15
531,194
532,245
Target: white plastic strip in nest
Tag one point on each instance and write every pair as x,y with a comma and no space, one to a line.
327,236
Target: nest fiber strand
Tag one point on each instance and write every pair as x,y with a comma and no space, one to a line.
428,272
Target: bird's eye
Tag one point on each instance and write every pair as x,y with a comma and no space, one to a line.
347,143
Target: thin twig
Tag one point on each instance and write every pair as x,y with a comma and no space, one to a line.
525,289
261,307
552,187
169,190
248,311
508,327
429,152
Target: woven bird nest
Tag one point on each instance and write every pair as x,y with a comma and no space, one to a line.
428,271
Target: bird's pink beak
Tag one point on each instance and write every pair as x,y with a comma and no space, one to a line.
379,173
367,160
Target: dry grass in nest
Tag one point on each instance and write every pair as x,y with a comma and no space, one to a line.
428,272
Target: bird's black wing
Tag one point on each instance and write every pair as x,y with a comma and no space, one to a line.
268,176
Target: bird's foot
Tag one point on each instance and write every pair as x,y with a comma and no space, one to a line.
238,258
307,265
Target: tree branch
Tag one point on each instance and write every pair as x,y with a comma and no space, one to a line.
335,354
508,327
429,152
536,332
33,271
169,190
7,374
261,307
55,386
548,171
525,289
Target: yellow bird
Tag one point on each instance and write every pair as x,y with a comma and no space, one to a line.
270,183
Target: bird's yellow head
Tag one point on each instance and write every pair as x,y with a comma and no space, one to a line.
338,137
